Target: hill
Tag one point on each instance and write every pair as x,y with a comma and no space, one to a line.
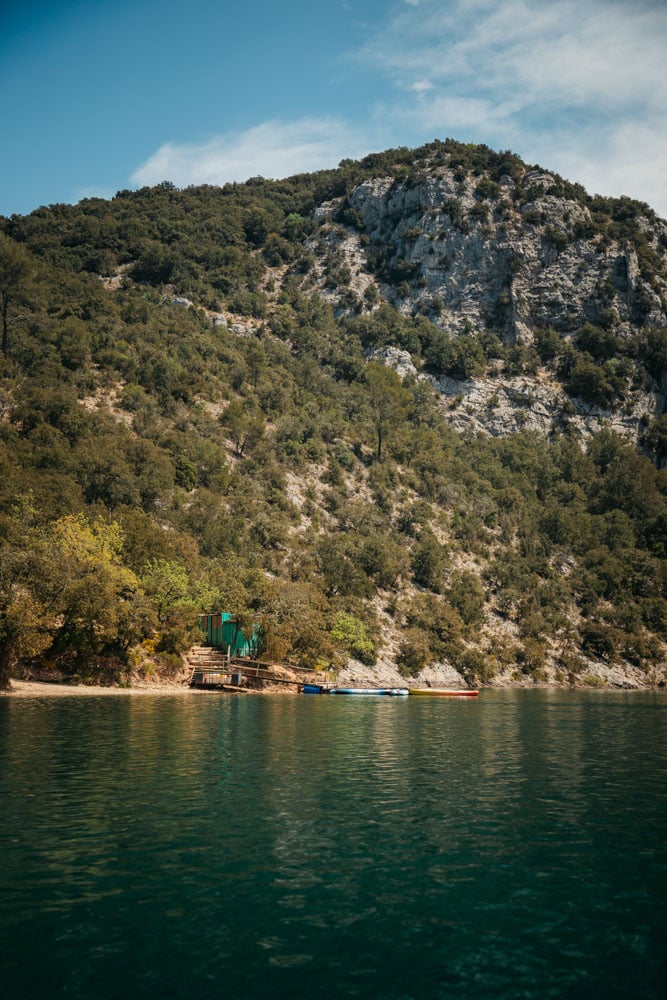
406,413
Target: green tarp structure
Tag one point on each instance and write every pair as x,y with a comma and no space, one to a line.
223,632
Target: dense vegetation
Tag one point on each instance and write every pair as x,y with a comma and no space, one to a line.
154,464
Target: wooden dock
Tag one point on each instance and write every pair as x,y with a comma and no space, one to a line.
214,670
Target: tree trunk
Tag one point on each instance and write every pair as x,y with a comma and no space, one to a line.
5,668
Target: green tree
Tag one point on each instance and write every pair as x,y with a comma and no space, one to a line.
341,575
382,558
25,624
466,593
245,426
352,635
460,357
435,617
294,624
428,562
14,272
167,583
388,401
414,652
95,599
654,439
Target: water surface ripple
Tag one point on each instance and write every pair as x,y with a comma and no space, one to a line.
511,847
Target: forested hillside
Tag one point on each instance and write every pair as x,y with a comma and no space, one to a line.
409,412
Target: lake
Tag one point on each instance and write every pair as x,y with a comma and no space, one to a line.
266,846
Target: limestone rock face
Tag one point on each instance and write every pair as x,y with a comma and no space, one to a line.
501,406
395,358
520,265
512,256
386,674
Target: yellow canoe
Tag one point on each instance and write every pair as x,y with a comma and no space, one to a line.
444,693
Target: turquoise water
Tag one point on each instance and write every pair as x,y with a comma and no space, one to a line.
229,846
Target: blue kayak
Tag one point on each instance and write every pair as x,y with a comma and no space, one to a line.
394,692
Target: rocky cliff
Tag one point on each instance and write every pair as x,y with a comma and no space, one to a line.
522,256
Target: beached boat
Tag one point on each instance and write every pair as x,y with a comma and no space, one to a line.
314,689
444,692
395,692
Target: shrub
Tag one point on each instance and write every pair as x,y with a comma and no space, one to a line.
548,344
466,594
600,640
428,563
601,385
414,653
435,617
602,345
593,681
475,666
531,656
352,635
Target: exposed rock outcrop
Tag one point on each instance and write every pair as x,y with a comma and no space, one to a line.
512,256
523,264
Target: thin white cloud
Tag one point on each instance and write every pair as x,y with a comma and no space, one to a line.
272,149
578,85
575,85
631,161
569,49
420,86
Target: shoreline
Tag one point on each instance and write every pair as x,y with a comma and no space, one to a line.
46,689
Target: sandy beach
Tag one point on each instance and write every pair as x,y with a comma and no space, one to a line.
41,689
45,689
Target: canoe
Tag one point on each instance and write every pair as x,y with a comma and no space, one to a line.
444,693
314,689
400,692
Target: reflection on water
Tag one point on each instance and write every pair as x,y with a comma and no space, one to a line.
511,846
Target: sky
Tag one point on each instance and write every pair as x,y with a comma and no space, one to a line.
104,95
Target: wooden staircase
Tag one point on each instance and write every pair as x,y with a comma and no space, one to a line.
206,658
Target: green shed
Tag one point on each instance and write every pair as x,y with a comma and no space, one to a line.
223,631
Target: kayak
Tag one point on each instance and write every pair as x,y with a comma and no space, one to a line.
444,693
371,691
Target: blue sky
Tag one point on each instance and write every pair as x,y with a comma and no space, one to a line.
100,95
